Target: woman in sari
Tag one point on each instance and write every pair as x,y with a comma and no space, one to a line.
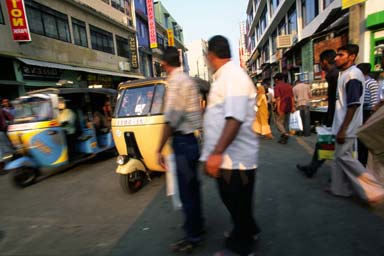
260,125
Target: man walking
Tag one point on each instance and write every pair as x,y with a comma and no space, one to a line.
285,104
327,63
183,116
230,145
302,94
346,170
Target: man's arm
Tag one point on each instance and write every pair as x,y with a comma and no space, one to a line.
231,128
167,132
340,137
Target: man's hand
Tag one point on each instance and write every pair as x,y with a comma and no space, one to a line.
212,166
340,137
161,160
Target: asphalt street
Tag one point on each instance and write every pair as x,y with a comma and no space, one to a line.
83,211
296,216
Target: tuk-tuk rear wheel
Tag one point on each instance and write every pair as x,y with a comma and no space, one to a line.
24,177
132,182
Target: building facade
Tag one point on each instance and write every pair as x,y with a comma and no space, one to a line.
198,67
243,50
169,33
77,43
288,35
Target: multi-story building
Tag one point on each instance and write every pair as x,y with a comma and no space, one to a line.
75,43
243,50
169,33
197,51
289,35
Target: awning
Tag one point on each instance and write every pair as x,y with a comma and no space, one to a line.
75,68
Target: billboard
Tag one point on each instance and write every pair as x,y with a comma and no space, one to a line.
171,38
151,25
18,20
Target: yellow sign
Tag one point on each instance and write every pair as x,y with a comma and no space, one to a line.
348,3
171,38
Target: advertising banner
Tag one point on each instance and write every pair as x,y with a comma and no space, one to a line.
133,50
18,20
171,38
348,3
151,24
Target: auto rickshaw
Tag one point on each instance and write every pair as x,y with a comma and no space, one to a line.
137,127
40,140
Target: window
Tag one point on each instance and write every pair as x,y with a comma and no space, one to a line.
327,2
292,20
1,16
118,4
274,42
122,45
310,9
79,32
160,41
266,52
263,20
47,22
273,6
282,27
101,40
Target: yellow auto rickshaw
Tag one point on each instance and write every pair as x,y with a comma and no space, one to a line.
137,126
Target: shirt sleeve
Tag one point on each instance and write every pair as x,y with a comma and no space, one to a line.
354,90
374,88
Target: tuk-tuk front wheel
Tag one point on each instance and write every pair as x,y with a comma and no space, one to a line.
24,177
132,182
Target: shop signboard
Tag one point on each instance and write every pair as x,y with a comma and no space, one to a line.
133,51
348,3
151,24
171,38
18,20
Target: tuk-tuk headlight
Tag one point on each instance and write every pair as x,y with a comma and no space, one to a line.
121,160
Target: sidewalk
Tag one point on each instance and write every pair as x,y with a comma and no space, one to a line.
296,216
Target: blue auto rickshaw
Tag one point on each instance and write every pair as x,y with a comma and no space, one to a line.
40,140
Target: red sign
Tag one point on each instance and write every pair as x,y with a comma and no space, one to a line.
151,24
18,20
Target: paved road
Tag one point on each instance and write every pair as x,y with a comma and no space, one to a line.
82,211
296,216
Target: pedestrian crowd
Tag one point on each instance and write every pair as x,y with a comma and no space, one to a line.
238,113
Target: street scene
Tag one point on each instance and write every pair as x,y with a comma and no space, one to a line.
148,127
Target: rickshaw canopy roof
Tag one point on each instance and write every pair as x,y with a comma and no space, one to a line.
73,90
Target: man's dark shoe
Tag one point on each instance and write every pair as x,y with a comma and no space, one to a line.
308,171
185,245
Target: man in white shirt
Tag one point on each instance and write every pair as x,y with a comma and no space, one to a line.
346,170
230,147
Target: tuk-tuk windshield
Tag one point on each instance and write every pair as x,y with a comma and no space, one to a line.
33,109
140,101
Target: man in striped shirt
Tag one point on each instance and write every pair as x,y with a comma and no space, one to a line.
371,98
183,116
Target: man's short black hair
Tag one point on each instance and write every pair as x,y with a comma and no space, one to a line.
328,55
365,67
279,76
350,48
171,56
219,45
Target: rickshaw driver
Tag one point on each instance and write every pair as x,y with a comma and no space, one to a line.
67,119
